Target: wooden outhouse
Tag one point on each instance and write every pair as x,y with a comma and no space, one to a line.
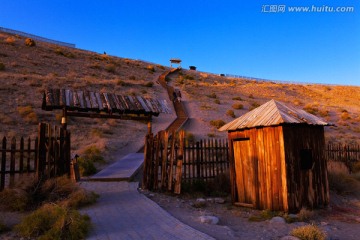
277,159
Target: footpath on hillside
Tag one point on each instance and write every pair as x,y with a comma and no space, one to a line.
122,212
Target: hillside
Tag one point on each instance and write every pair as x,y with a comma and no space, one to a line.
29,70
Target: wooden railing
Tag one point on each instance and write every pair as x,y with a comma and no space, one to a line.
348,154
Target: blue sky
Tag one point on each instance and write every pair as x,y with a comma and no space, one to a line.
233,37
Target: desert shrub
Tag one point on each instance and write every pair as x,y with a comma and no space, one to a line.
161,67
2,66
217,101
149,84
211,135
254,105
199,204
230,113
237,98
80,198
345,115
14,199
95,66
189,77
305,214
189,137
180,80
311,109
96,132
217,123
54,222
297,102
110,68
355,167
27,113
212,95
167,79
88,159
30,193
237,106
30,42
343,184
264,215
150,68
122,83
132,77
308,232
251,96
10,40
86,167
61,52
57,189
324,113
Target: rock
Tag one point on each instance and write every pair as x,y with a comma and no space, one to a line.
275,220
219,200
293,216
324,223
357,220
202,200
289,238
151,195
209,219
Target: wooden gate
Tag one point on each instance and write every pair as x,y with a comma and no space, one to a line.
46,156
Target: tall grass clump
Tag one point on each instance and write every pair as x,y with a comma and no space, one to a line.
237,106
88,159
30,42
230,113
54,222
217,123
308,232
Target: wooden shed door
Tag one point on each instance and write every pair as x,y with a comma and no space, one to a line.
244,171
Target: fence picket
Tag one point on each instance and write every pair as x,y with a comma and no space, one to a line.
3,164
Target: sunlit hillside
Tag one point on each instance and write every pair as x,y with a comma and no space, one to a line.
26,71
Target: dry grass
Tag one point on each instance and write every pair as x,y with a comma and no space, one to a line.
308,232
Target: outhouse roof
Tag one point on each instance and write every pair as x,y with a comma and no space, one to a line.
273,113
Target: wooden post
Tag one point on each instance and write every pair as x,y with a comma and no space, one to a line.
149,126
171,164
165,138
3,164
157,162
41,152
179,164
12,162
64,119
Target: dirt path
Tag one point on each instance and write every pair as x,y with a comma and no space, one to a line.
234,222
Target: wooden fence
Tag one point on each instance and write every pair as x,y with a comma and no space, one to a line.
46,156
348,154
170,160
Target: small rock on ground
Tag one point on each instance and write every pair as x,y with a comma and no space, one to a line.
209,219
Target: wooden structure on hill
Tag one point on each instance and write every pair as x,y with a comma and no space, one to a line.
277,159
82,103
175,61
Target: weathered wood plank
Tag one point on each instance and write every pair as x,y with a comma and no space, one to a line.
93,101
87,100
99,101
82,102
143,104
